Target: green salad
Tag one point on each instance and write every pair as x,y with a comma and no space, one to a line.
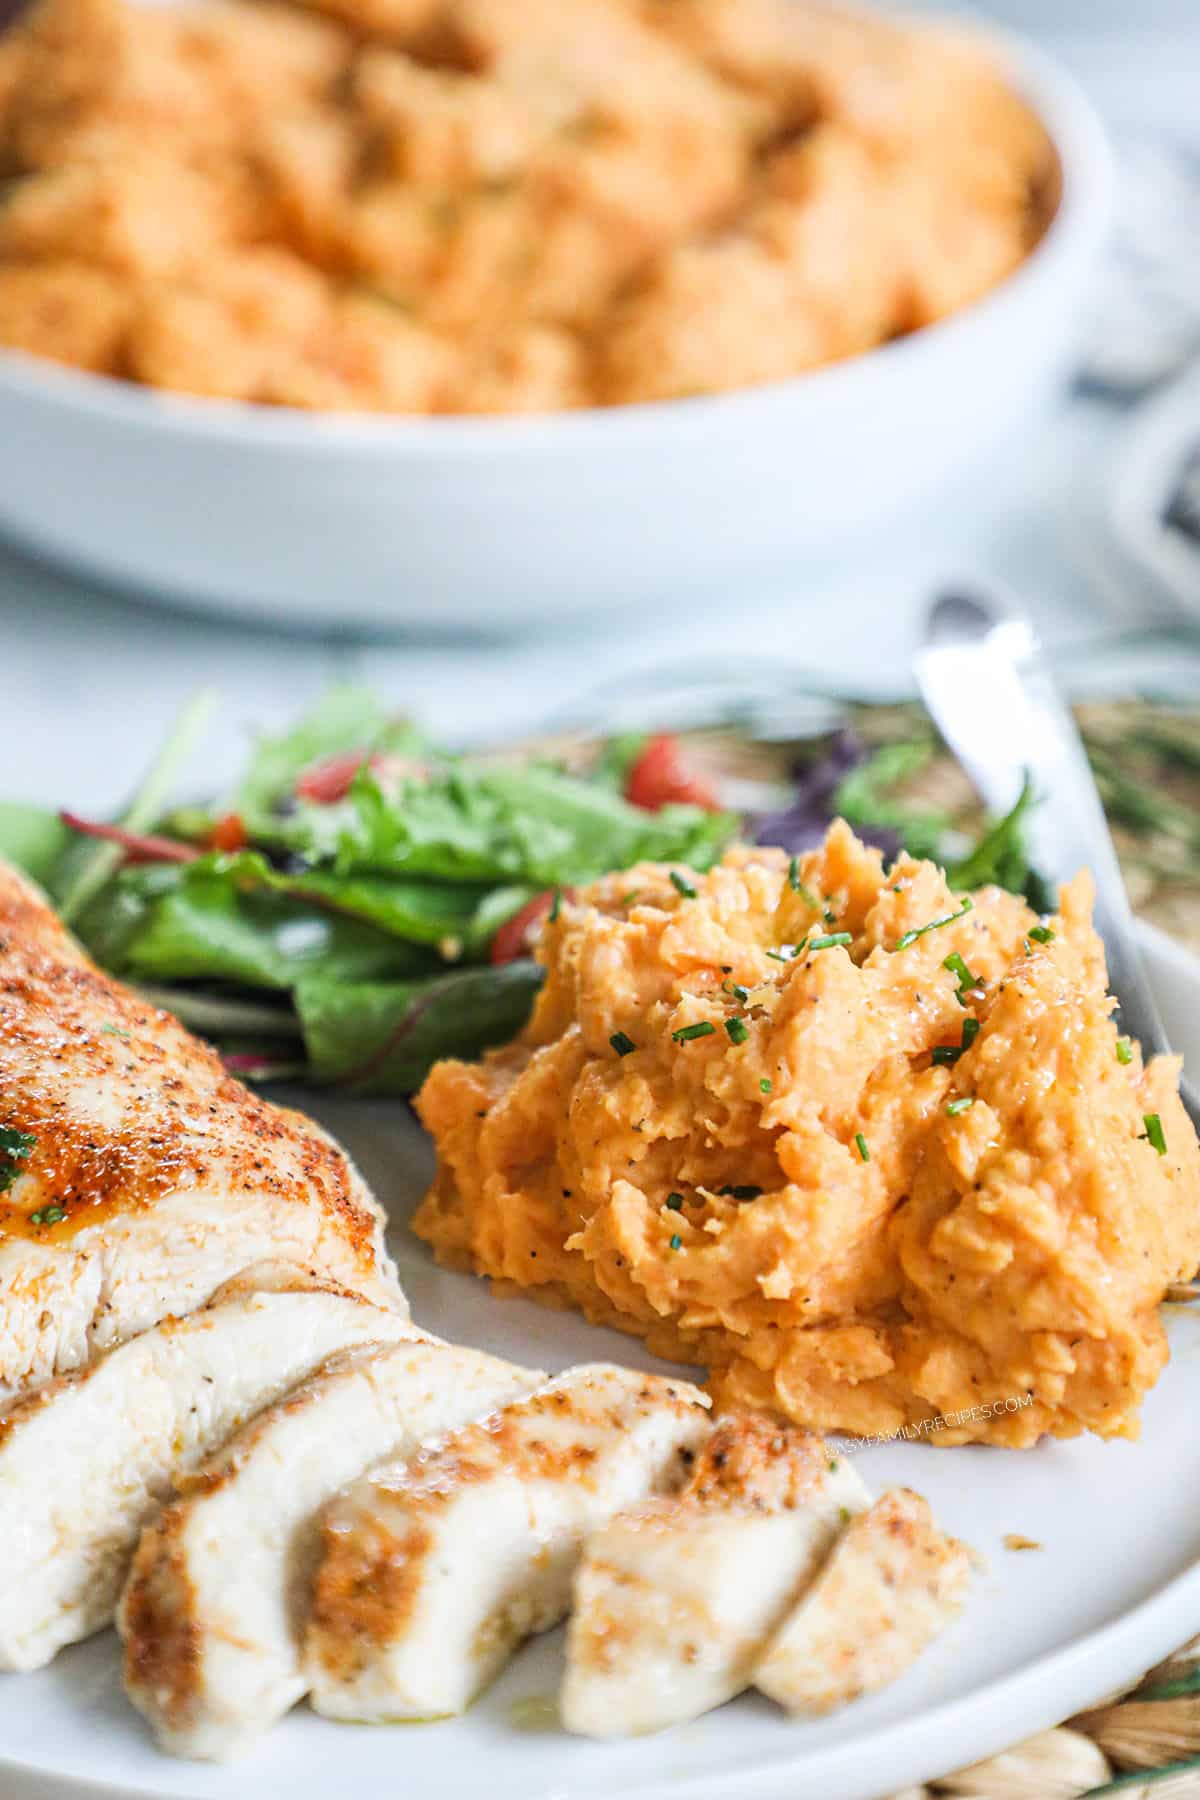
364,902
359,905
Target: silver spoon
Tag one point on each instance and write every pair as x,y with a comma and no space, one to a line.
990,693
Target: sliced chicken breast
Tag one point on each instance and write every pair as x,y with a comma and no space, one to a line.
893,1582
676,1599
87,1459
137,1175
436,1569
214,1610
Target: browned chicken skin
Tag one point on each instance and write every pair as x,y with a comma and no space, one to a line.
152,1176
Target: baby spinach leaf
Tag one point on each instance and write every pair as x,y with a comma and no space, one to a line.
383,1037
200,922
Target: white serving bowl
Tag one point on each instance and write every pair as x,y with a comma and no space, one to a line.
496,522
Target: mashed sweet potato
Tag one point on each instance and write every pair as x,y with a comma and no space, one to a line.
496,205
877,1159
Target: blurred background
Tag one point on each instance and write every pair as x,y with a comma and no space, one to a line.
1086,508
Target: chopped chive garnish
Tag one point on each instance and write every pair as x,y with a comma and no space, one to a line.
1124,1050
555,907
798,887
674,1202
53,1215
1154,1133
910,937
777,956
35,1218
1041,934
676,1241
629,898
622,1043
764,1085
735,991
861,1143
966,980
844,1514
738,1030
686,1033
832,942
832,1465
789,952
962,1105
945,1054
682,885
114,1031
15,1147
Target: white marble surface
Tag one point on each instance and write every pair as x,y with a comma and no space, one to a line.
92,679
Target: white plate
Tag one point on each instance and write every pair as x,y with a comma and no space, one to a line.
1046,1632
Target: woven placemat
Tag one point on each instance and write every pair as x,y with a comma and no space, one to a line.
1142,1741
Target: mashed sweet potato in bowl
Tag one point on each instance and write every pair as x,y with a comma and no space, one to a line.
471,312
480,206
870,1150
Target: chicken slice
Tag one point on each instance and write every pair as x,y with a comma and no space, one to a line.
214,1609
87,1459
676,1599
436,1569
893,1583
140,1174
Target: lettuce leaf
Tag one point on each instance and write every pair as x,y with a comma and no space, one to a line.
345,718
485,822
384,1037
32,838
200,921
457,918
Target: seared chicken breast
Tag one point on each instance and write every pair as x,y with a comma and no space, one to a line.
215,1606
87,1459
893,1582
676,1599
137,1176
435,1570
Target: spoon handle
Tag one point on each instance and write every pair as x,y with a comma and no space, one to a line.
989,691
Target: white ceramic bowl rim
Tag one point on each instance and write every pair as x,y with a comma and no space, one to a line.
1082,214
